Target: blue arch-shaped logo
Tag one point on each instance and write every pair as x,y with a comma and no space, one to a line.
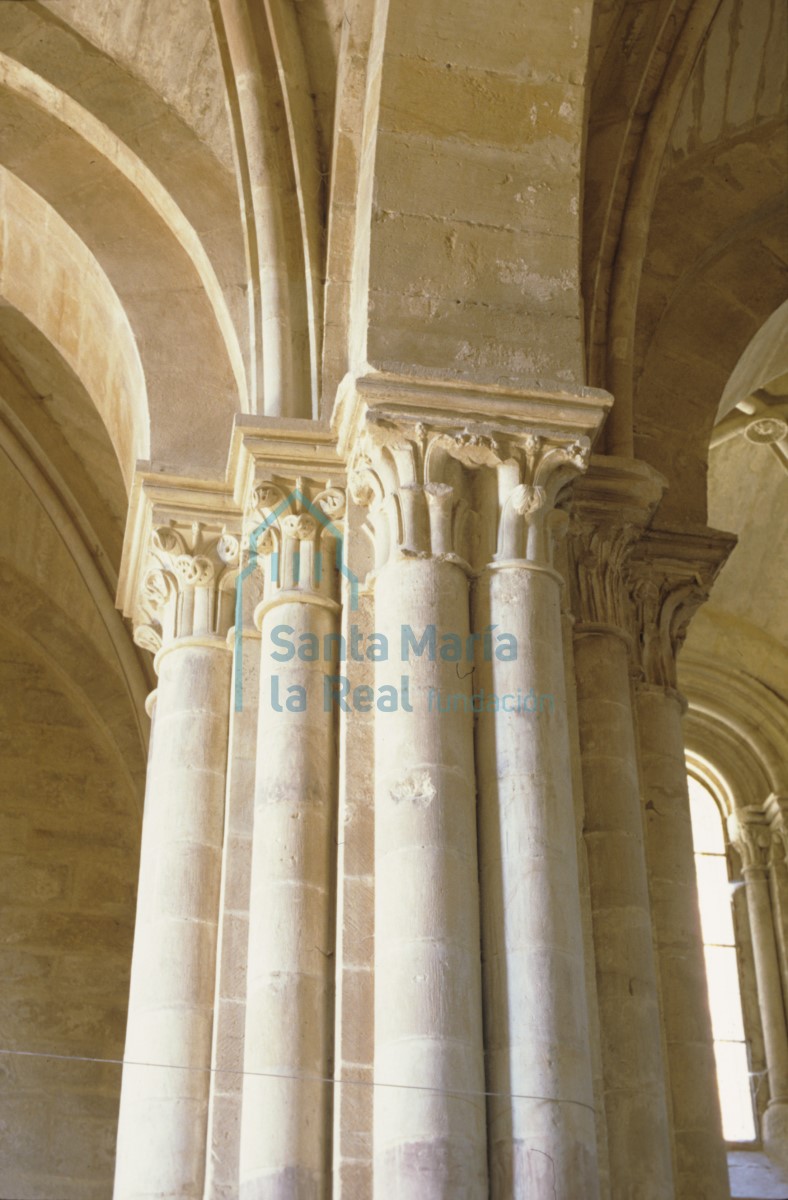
344,569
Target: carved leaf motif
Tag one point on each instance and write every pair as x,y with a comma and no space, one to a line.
194,569
301,527
146,637
167,541
331,502
579,453
266,542
475,449
156,590
266,496
361,481
228,548
527,499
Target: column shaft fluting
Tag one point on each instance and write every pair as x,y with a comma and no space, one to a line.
541,1117
701,1166
429,1127
163,1114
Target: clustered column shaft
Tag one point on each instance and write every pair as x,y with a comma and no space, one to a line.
429,1128
481,1056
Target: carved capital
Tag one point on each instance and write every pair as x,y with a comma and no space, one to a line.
777,814
671,575
186,586
611,505
464,491
599,555
752,838
410,474
294,533
541,464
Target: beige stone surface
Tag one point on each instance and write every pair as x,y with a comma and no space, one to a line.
68,859
401,246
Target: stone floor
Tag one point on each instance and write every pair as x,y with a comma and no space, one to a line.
754,1177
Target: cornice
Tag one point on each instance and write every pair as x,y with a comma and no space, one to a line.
285,446
487,409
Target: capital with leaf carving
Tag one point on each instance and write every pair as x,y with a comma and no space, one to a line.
752,838
464,474
611,506
671,575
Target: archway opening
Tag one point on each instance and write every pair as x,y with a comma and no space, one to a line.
722,967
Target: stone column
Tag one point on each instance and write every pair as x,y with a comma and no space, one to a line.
285,1128
755,843
672,574
541,1120
610,507
429,1128
777,812
187,598
224,1111
561,556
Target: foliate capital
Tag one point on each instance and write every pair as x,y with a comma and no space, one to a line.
460,470
751,836
465,491
777,813
186,585
611,505
411,473
542,464
294,532
670,577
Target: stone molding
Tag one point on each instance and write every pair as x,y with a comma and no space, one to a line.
776,809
